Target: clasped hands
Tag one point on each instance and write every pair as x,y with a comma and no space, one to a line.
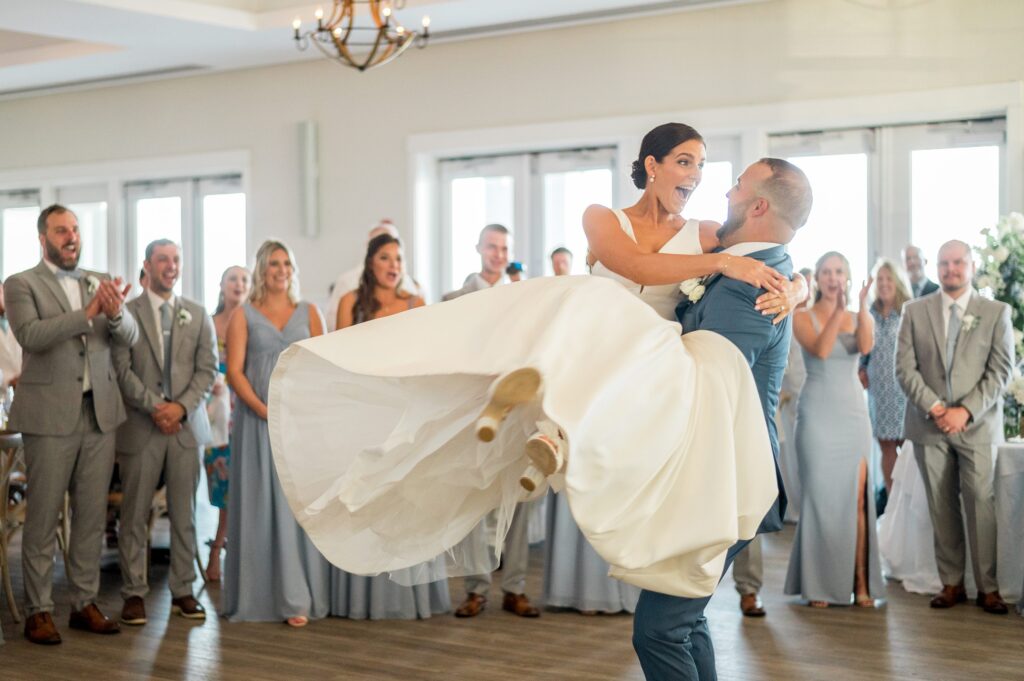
109,298
950,420
168,416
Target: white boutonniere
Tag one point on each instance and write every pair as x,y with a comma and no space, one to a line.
969,324
91,284
184,317
693,289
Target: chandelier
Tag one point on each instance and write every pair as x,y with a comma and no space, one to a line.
377,42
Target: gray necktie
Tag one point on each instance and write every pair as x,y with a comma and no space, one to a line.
165,327
952,331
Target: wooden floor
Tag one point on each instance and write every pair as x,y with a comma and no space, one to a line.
902,640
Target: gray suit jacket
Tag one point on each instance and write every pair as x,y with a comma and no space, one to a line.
140,372
981,369
48,400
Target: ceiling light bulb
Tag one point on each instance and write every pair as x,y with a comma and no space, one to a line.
386,12
400,30
426,22
297,24
319,14
337,32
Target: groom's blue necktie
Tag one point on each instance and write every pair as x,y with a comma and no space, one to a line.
70,274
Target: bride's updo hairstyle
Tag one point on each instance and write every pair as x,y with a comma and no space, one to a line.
658,143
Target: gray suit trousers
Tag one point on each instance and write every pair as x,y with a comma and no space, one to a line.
950,470
515,558
748,568
80,463
140,474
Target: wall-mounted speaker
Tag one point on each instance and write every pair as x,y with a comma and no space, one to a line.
309,178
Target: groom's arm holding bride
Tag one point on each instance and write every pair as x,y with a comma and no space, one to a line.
728,309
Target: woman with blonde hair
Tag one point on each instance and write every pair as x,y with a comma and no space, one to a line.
274,573
835,552
886,401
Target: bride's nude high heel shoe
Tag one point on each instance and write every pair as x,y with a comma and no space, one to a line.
547,453
533,482
512,389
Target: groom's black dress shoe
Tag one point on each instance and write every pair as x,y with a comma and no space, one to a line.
751,606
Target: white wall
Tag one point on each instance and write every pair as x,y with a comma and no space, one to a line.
781,51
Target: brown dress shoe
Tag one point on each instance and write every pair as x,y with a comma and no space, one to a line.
91,619
472,606
992,602
188,607
134,611
519,604
751,605
949,596
39,628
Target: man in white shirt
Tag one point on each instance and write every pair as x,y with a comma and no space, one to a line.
954,358
493,247
561,261
349,280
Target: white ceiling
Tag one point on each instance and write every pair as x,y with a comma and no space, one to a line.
46,45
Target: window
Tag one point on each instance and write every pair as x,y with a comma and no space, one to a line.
89,204
955,181
837,166
877,190
18,214
206,216
477,192
540,197
569,182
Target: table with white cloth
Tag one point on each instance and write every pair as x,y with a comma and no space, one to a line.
1009,484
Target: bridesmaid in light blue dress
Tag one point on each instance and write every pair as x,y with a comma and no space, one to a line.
272,570
382,597
575,576
835,552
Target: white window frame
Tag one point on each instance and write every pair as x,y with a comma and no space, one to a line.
51,181
750,124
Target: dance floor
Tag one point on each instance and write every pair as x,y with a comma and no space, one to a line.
902,640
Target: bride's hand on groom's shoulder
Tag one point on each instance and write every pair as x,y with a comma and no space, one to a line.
755,273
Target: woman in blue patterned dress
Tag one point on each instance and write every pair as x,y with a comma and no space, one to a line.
886,401
234,287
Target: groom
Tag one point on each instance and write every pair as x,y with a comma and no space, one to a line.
768,204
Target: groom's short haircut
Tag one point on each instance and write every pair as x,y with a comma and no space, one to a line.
788,191
493,227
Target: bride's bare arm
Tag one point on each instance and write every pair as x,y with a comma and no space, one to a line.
620,254
780,304
237,340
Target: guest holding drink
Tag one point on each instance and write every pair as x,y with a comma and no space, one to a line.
234,287
273,571
385,596
835,552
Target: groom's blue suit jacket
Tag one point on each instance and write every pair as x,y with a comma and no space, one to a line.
727,308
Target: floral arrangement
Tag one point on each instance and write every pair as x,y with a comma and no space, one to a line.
1001,275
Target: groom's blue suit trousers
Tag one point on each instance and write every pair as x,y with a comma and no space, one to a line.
671,637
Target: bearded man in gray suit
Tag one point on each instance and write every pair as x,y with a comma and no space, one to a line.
67,408
164,378
954,359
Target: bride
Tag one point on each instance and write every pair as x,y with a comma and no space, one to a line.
390,455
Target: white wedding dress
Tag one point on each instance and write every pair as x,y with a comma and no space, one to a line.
372,429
